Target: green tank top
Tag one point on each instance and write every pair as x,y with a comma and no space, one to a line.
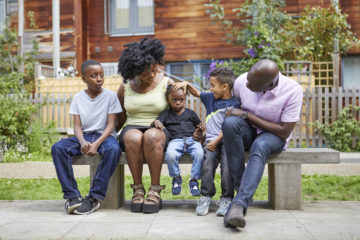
143,108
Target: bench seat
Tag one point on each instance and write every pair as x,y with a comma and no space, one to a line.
284,175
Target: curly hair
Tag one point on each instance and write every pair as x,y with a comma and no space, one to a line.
224,75
139,56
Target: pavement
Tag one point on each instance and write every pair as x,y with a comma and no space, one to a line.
177,220
39,219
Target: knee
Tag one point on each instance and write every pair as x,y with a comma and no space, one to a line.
198,154
260,149
154,138
56,147
133,140
232,124
171,155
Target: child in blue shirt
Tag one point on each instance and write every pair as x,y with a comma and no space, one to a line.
216,103
180,123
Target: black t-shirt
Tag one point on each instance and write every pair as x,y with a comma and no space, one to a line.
179,126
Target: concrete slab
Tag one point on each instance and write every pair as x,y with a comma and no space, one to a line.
177,220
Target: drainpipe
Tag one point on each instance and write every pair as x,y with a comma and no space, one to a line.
56,34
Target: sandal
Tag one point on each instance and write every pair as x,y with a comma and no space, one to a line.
137,200
153,201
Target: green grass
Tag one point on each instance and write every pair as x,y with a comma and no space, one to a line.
315,188
17,157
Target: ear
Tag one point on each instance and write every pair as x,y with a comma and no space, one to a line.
226,86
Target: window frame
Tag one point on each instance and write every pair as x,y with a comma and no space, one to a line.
133,29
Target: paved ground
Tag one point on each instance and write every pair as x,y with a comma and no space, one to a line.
47,220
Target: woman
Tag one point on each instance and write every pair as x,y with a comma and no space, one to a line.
142,97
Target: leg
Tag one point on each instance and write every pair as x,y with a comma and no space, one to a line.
174,151
238,137
62,151
196,152
227,185
265,144
111,152
133,140
208,169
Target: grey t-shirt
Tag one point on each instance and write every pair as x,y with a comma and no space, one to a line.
94,112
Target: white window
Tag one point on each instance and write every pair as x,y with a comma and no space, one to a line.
129,17
350,71
2,15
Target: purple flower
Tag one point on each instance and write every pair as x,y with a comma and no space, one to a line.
260,46
221,62
252,52
256,33
268,44
212,65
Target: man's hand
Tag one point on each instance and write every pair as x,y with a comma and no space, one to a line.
211,145
158,125
85,146
92,150
233,112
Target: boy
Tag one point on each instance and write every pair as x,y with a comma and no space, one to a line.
216,103
94,111
181,122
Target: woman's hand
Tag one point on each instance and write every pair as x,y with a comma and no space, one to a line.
157,124
179,85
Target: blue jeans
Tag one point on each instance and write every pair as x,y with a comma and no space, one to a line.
239,136
62,152
175,150
210,163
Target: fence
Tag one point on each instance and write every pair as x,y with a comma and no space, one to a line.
320,103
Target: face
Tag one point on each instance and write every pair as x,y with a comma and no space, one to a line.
177,100
94,78
216,88
256,85
148,75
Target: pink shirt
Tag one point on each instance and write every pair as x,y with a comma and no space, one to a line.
280,104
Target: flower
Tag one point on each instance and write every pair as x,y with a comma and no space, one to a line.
256,33
252,53
268,44
260,46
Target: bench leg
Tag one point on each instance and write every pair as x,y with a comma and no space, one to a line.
285,186
115,193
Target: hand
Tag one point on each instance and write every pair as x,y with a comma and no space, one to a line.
84,148
211,145
92,150
158,125
202,127
179,85
233,112
199,132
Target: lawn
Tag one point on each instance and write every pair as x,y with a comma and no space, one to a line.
314,187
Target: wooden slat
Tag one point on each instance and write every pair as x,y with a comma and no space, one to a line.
313,110
307,115
320,115
333,104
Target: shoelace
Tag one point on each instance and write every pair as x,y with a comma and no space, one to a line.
201,201
223,202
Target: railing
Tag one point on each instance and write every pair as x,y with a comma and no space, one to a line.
321,103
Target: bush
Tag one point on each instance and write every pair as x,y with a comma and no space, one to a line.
340,134
41,138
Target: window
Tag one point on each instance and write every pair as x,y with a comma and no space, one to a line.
129,17
350,71
2,15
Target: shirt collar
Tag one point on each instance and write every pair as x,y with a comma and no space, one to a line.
275,90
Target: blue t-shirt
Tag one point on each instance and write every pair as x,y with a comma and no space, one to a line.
215,112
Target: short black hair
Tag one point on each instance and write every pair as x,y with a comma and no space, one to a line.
224,75
138,56
86,64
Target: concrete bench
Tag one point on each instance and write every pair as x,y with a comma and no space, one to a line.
284,175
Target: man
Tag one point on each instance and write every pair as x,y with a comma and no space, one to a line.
271,104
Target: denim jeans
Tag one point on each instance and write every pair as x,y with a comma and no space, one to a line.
239,136
210,163
175,150
62,152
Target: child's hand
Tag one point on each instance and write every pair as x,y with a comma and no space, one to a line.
199,132
85,146
92,150
211,145
179,85
202,127
158,125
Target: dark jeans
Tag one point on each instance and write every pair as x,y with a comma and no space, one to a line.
63,150
239,136
210,163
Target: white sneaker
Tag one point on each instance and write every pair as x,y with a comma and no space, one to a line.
223,207
202,206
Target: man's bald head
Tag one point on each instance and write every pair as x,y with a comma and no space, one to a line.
263,75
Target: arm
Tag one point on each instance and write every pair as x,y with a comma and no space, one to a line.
282,130
111,119
214,143
186,85
121,117
84,145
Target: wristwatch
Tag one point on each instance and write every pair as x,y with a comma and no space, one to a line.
244,115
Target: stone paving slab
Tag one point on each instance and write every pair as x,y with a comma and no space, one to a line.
177,220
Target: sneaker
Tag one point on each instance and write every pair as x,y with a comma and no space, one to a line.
235,216
194,188
72,204
203,205
176,185
223,207
89,205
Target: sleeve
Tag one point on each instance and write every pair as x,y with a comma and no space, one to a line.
292,108
238,84
114,106
207,98
162,116
74,110
196,119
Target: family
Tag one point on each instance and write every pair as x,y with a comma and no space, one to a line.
255,112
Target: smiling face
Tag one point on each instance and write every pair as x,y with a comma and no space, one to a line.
217,88
94,79
148,75
177,100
